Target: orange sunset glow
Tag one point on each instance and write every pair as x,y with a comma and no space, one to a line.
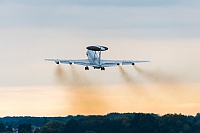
62,101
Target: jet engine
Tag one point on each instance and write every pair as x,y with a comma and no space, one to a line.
57,62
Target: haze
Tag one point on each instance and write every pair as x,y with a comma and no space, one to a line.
164,32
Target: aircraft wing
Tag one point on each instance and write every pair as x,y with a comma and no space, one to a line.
83,62
110,63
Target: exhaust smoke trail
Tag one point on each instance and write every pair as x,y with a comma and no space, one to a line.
61,75
162,91
85,98
169,86
136,90
156,76
126,76
77,78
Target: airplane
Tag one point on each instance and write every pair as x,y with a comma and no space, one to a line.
94,59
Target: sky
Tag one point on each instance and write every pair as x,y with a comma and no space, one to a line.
164,32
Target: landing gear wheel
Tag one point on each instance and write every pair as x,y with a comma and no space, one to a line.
103,68
86,68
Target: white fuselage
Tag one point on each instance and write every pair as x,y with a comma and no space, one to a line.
94,58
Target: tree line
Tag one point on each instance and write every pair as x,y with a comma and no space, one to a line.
113,123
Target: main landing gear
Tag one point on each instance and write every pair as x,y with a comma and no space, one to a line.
103,68
86,68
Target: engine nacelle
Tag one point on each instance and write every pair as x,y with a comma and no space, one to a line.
57,62
133,64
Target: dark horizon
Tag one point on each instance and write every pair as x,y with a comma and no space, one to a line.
120,123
